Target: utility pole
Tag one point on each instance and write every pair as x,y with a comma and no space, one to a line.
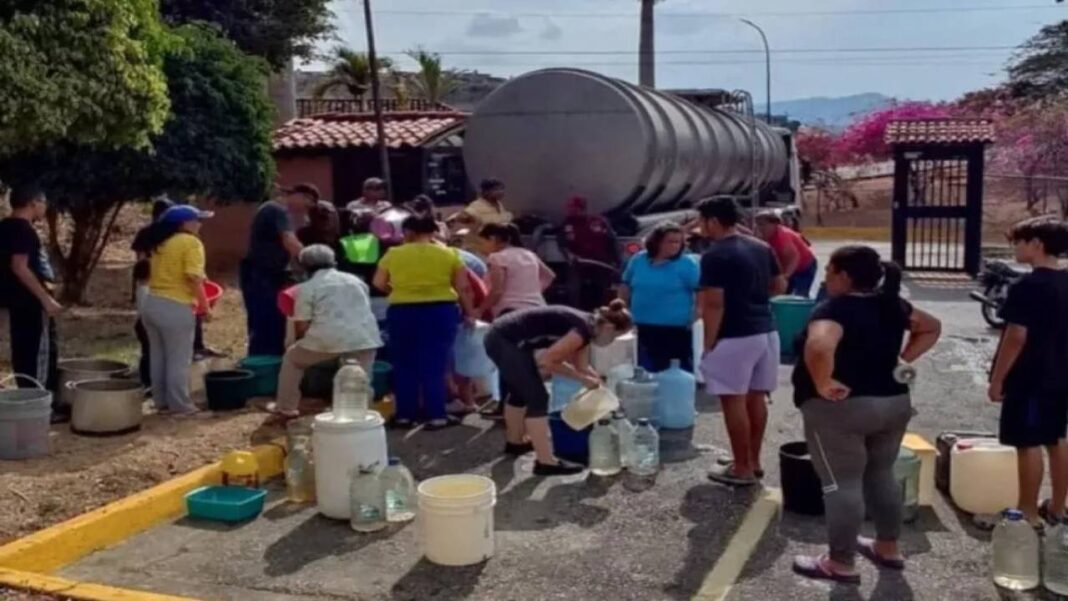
376,98
767,65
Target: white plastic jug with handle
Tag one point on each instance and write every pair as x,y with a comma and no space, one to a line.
982,476
589,406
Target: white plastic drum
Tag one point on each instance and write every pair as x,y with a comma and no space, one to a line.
339,447
456,519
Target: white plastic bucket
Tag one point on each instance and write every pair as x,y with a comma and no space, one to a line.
339,447
25,418
456,519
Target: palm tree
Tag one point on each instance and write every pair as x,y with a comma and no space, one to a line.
646,47
351,70
431,81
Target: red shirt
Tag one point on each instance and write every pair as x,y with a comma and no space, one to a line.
785,237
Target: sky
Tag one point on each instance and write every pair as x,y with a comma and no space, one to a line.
907,49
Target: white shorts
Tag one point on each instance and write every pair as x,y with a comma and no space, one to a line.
738,366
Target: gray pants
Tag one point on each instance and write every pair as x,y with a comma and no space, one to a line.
854,444
170,326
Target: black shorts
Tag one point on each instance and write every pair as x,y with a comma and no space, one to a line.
1033,421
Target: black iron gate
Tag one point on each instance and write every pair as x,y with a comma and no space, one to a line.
938,207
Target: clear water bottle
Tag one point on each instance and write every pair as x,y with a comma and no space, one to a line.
1055,560
1016,558
398,485
625,429
604,449
351,391
367,501
299,464
646,458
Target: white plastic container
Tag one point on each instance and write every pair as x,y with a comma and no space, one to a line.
698,337
340,446
982,476
456,519
622,351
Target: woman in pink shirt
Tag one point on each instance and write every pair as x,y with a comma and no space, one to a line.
517,277
796,259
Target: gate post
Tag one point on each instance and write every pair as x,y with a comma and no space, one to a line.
899,208
973,232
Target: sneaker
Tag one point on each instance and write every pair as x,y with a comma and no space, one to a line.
562,468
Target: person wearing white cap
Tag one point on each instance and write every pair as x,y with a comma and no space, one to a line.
175,287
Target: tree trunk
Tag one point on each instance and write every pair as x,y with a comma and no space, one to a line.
282,90
89,236
646,47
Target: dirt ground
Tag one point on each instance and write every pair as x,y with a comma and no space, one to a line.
84,473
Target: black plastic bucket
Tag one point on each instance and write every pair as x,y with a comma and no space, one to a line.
802,491
229,390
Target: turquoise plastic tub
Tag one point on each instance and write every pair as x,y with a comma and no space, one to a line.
381,380
225,503
791,316
265,369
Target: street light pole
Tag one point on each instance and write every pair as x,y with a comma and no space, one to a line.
376,98
767,62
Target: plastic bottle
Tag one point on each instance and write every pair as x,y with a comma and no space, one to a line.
299,464
398,486
637,395
646,458
1016,553
675,397
368,502
1055,560
626,437
604,449
351,391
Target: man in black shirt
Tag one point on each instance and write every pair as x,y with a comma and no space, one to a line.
25,278
264,270
740,363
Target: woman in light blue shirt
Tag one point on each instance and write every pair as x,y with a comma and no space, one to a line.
660,284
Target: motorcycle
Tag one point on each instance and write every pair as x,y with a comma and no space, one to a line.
995,279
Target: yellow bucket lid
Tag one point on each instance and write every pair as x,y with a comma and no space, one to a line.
240,463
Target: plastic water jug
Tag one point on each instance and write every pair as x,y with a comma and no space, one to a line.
616,375
469,352
604,449
339,447
637,396
562,390
907,474
352,391
626,437
1016,558
622,351
368,510
982,476
646,450
1055,560
300,464
398,486
676,391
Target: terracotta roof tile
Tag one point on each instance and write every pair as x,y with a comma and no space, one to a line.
940,131
351,130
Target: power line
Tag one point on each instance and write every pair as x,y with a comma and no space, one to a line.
721,51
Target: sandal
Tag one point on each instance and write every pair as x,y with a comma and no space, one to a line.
866,547
729,478
728,463
817,569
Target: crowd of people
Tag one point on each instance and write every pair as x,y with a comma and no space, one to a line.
377,275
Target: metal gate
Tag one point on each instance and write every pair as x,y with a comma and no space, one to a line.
937,208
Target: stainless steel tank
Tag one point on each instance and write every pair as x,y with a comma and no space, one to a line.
556,133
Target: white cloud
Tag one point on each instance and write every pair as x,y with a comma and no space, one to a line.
485,25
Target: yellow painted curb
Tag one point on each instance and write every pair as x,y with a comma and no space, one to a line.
719,582
59,545
83,591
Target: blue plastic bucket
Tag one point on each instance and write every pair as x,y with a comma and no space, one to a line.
569,444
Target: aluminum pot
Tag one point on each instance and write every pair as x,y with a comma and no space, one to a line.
105,406
77,370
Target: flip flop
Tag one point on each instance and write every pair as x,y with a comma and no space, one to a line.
728,462
817,569
728,478
866,547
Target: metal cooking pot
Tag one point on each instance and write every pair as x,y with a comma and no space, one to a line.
77,370
105,406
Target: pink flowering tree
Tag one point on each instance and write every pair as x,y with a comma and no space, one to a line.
1032,144
864,140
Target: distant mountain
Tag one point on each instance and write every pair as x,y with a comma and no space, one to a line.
830,112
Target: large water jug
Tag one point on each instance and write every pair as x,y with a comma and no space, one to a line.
676,391
398,486
637,396
626,437
907,474
622,351
352,391
604,449
982,476
368,511
562,390
469,352
1055,560
646,460
1016,558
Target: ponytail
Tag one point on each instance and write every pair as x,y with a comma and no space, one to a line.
891,286
615,313
867,271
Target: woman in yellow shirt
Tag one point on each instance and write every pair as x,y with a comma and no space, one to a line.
427,286
175,286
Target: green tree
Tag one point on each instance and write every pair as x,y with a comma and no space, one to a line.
351,70
1040,68
431,81
216,144
85,71
275,30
